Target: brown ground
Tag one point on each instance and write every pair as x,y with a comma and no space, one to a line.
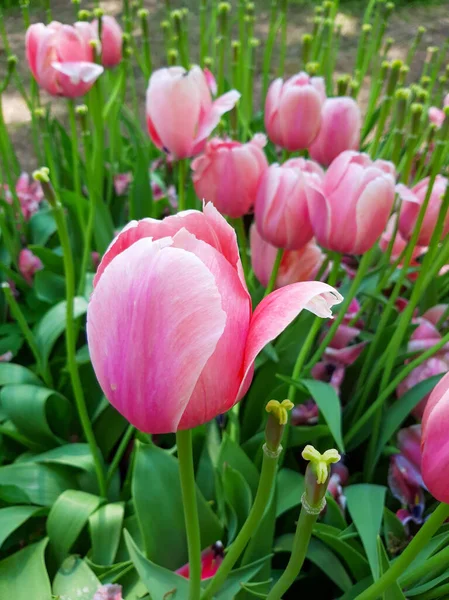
402,28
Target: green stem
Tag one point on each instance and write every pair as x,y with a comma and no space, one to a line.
263,495
274,272
182,185
120,452
239,226
301,542
187,476
420,540
283,49
432,566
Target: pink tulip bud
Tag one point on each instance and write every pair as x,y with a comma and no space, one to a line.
351,207
30,195
61,58
211,559
281,211
228,174
436,115
341,122
296,265
434,446
293,111
170,327
122,182
111,40
412,200
180,111
29,263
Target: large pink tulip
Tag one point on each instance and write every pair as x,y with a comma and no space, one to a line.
293,111
111,40
341,122
351,207
61,58
434,441
171,331
296,265
412,200
281,211
228,173
180,112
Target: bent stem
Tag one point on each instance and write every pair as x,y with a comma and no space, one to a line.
266,482
274,272
420,540
187,476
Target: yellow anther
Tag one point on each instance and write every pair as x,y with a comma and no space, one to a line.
320,461
279,409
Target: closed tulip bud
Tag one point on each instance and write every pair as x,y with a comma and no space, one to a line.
350,209
293,111
61,58
341,122
170,327
412,201
281,212
296,265
180,111
228,174
111,40
434,446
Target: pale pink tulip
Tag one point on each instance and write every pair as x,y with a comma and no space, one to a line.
412,200
296,265
305,165
341,122
228,174
436,115
29,194
111,40
61,58
399,245
180,112
434,314
350,208
281,209
434,441
29,263
122,182
170,327
293,111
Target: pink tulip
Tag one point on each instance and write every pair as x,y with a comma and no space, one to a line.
29,263
170,327
436,115
293,111
122,182
350,208
61,58
429,368
305,414
412,200
281,211
341,122
399,245
306,166
180,111
434,441
296,265
434,314
29,194
110,591
211,559
228,173
6,357
111,40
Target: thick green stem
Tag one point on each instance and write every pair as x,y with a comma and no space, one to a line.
182,185
420,540
120,452
263,495
187,476
274,272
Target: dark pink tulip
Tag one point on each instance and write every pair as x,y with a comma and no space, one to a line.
412,200
180,112
305,414
296,265
170,327
293,111
341,122
281,211
211,559
29,263
111,40
350,208
61,58
228,174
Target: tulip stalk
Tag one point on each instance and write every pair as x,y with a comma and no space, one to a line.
283,49
275,23
274,272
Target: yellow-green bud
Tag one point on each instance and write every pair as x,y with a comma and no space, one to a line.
277,420
317,477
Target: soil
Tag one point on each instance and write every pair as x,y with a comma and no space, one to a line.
402,28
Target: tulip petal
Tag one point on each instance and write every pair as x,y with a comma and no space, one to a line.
211,118
79,72
139,320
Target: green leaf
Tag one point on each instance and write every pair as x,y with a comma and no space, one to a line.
156,492
304,434
23,575
76,456
12,517
51,260
238,498
242,575
366,499
42,226
104,226
158,580
67,518
105,531
394,592
11,373
75,580
53,323
290,485
394,532
233,455
356,562
329,404
49,287
34,410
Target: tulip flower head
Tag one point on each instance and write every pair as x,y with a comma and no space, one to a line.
111,40
170,327
211,559
29,194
